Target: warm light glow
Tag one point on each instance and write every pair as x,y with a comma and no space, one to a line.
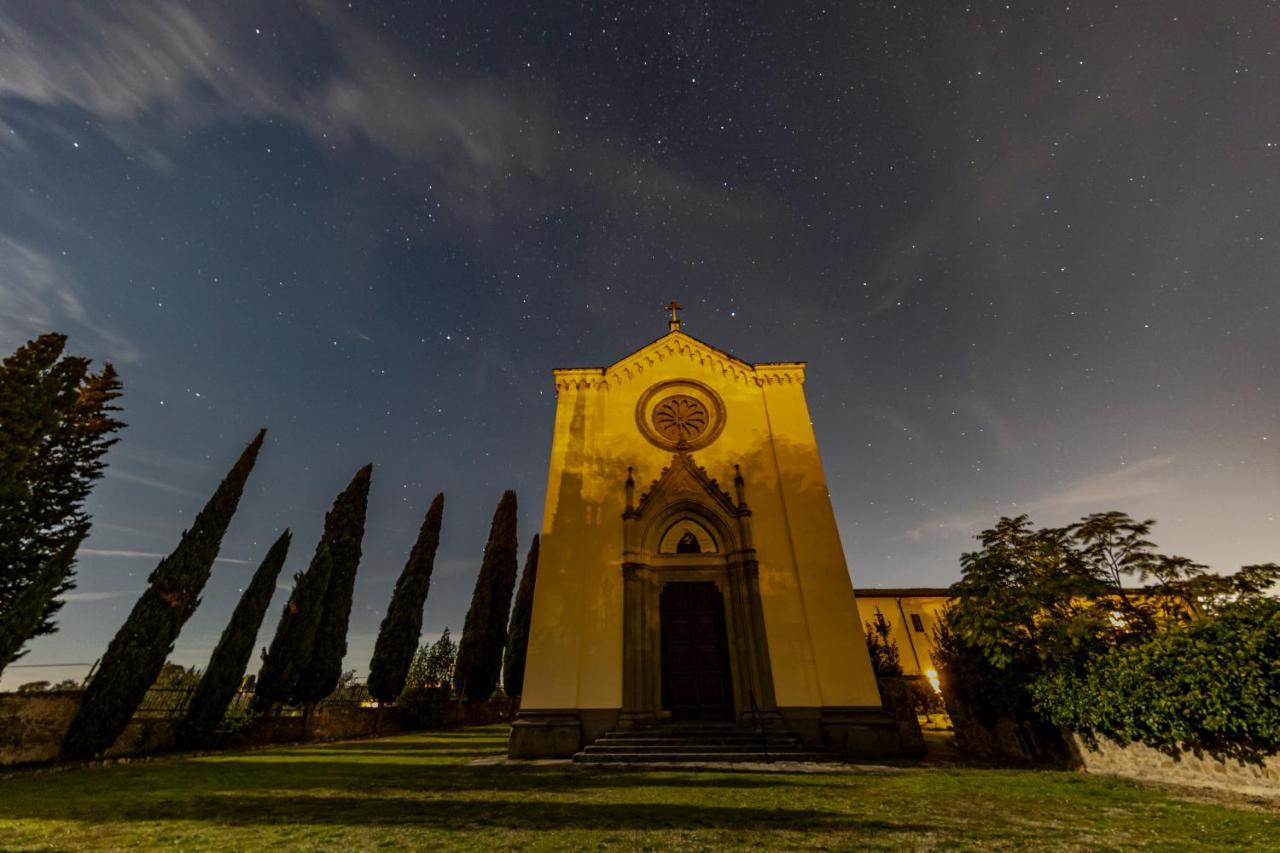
932,675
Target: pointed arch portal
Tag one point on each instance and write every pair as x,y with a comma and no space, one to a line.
694,644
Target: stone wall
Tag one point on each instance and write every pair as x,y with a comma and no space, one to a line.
32,726
1186,767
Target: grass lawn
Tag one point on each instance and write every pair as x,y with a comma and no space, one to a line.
417,791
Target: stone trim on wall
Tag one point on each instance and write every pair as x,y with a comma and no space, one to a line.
678,345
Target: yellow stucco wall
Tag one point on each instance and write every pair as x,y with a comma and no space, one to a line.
814,634
915,647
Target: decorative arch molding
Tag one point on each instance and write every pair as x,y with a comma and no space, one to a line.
684,499
687,535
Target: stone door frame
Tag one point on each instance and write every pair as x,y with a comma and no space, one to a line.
733,569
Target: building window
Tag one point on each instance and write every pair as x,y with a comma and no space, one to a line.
917,622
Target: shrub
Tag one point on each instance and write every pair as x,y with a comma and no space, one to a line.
1213,683
425,707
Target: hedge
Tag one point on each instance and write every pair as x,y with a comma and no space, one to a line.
1213,683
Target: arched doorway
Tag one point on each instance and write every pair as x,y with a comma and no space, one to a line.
694,644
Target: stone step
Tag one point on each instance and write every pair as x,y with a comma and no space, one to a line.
727,739
633,749
699,757
699,743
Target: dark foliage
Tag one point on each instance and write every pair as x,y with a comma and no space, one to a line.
56,422
137,653
1041,606
226,667
343,534
521,618
425,707
484,635
21,619
881,646
398,636
1213,683
295,632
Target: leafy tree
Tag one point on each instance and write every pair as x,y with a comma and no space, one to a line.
344,532
433,666
484,635
65,685
1045,604
27,610
137,653
225,672
398,636
1038,599
882,647
521,620
56,422
34,687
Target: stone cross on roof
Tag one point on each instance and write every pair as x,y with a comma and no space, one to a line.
674,324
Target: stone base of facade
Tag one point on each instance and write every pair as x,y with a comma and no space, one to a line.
853,732
867,733
538,733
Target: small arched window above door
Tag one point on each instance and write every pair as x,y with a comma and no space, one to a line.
687,536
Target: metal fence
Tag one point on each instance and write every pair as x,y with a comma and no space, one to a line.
163,703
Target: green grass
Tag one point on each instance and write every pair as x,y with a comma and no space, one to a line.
418,792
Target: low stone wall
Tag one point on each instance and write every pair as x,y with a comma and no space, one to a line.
1186,767
32,726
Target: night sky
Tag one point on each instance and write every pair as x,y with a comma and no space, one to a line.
1030,251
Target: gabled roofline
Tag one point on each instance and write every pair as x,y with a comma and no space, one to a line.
600,371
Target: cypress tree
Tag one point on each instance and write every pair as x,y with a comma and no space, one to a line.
484,635
295,633
400,630
226,667
137,652
22,619
344,531
56,422
518,633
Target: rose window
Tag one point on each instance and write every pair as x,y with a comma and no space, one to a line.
680,418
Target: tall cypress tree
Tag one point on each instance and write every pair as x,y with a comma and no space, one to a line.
344,531
222,677
56,422
518,633
138,651
484,635
295,633
398,636
22,619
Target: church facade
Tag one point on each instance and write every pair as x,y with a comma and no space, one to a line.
690,566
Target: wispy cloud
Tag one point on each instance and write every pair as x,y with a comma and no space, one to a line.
1103,491
117,473
98,596
39,293
498,144
151,555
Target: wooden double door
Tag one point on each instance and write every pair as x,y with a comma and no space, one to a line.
696,680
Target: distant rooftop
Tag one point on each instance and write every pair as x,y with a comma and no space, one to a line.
903,592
